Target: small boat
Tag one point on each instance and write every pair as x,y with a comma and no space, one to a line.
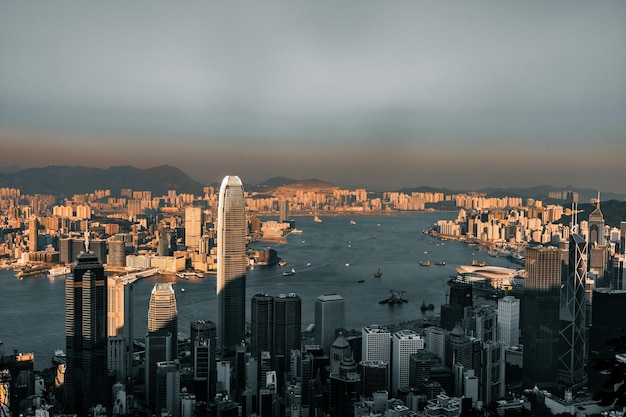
282,262
296,231
378,273
316,219
476,263
182,290
361,281
347,264
424,263
440,263
288,273
308,264
425,307
352,221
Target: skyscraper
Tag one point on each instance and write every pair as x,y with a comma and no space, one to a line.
405,343
376,344
85,334
572,314
231,265
508,321
329,316
119,326
163,314
193,226
33,234
541,325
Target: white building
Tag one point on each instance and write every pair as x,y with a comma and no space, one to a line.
508,321
405,343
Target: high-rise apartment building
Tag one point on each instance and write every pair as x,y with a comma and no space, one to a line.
283,211
33,234
86,334
329,316
231,265
508,321
571,371
541,325
404,344
193,226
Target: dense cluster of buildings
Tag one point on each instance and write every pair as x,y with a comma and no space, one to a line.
539,341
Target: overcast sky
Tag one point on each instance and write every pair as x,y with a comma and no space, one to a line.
466,94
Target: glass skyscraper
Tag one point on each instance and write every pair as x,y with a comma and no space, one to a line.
231,265
85,334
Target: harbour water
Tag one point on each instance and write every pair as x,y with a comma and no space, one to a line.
331,256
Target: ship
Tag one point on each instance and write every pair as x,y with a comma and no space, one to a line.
424,263
395,297
296,231
352,221
59,357
361,281
282,262
61,270
288,273
476,263
378,273
31,271
316,219
425,307
440,263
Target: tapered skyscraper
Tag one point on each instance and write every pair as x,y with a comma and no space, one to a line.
231,264
85,334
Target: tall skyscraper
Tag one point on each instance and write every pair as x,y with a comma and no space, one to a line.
571,372
329,316
33,234
376,344
405,343
541,325
120,326
596,225
508,321
163,314
203,356
231,265
86,334
193,226
283,211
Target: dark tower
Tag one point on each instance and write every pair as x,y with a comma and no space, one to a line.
86,334
541,325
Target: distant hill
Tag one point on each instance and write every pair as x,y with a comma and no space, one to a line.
70,180
305,185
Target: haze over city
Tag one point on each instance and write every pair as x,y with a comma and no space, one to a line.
462,95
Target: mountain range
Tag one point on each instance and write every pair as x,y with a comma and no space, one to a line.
70,180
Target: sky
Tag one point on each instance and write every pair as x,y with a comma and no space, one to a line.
461,95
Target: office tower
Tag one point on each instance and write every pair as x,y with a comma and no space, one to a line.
436,341
120,326
329,315
460,349
484,323
376,344
541,325
287,325
492,372
262,323
203,335
607,325
459,307
374,377
163,314
231,265
117,253
193,226
571,369
338,350
508,321
86,334
596,226
419,368
283,208
168,387
404,344
158,349
345,389
33,234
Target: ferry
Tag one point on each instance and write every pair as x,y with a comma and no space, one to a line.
61,270
440,263
352,221
424,263
476,263
288,273
190,274
282,262
316,219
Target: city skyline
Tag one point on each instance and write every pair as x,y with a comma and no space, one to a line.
463,96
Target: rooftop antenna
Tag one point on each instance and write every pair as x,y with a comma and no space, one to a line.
86,236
